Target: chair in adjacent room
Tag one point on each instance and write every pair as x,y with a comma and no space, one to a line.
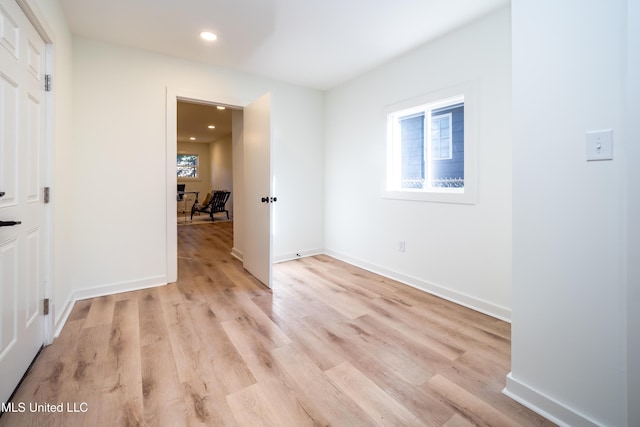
181,188
216,204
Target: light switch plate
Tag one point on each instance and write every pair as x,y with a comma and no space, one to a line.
599,145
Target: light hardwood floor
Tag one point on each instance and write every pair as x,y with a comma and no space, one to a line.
331,344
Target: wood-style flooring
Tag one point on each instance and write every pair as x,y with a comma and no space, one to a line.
330,344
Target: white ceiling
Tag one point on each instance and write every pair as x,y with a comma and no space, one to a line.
313,43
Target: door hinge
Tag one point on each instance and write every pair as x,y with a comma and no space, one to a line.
45,306
47,82
47,194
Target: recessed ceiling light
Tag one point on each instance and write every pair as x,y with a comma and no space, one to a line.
208,36
211,127
220,107
192,138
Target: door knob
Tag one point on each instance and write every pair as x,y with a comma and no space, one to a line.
9,223
2,193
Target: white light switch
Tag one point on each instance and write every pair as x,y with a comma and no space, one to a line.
599,145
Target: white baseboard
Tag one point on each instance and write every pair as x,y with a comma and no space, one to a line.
62,319
297,255
477,304
544,405
282,257
116,288
237,254
136,285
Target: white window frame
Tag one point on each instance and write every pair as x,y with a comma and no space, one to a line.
391,189
449,156
197,168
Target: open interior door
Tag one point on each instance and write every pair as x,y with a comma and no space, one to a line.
22,225
259,199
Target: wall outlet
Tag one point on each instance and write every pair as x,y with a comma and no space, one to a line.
401,246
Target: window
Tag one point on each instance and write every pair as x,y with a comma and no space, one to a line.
441,135
428,153
187,166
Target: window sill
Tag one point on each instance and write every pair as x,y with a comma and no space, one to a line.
458,196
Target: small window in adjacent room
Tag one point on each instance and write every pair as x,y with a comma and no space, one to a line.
187,166
427,151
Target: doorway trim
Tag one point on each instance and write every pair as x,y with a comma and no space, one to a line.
174,95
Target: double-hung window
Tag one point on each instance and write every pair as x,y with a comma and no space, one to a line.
429,156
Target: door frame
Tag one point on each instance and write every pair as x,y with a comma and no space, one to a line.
39,22
174,95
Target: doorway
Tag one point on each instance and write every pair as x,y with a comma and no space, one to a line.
205,155
250,122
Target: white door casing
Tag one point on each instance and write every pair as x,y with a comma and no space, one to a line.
258,243
22,163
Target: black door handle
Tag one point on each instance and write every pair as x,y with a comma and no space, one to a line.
2,193
9,223
265,200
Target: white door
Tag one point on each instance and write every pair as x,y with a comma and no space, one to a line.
22,58
258,243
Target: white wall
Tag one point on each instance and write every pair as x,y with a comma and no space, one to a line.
118,239
633,213
237,158
462,252
221,159
298,169
569,215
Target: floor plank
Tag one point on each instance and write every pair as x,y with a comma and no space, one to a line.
251,408
330,344
382,408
